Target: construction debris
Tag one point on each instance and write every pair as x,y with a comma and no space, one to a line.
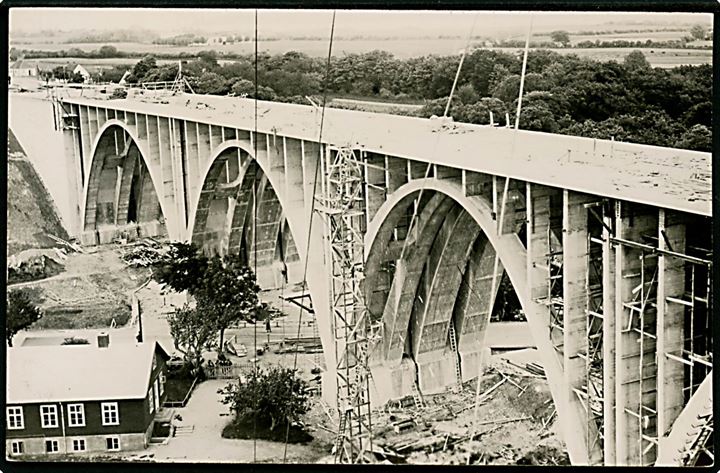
73,246
144,253
516,422
33,264
301,344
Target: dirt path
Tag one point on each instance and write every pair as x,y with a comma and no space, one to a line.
204,444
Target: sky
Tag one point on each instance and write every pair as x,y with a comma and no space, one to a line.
317,22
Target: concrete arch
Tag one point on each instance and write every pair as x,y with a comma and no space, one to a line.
297,229
513,256
310,253
477,208
96,166
268,219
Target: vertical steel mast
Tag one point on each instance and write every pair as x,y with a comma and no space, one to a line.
342,205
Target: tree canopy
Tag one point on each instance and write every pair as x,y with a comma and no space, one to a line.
182,268
581,94
224,288
560,36
228,293
193,332
274,397
20,313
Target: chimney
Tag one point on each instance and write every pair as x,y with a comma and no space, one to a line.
103,340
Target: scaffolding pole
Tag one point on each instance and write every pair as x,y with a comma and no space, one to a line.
342,206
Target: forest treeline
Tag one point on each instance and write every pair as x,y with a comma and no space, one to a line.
568,94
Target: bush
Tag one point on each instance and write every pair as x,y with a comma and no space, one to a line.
269,399
75,341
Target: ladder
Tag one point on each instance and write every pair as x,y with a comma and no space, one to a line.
698,437
454,348
340,438
417,397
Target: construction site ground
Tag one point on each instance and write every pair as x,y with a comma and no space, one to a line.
516,422
91,291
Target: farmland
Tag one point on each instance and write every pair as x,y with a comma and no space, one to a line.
408,46
401,49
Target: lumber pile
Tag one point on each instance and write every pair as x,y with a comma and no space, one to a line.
300,344
144,253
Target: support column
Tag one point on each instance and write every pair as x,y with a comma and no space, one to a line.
609,379
73,168
670,321
636,370
575,299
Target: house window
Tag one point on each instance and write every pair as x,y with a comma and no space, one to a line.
15,418
154,363
113,443
151,400
156,392
110,414
48,416
78,445
17,447
162,383
76,415
51,446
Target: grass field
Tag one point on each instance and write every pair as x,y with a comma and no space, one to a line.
664,58
400,48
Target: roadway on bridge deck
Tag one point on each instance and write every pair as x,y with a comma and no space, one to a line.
663,177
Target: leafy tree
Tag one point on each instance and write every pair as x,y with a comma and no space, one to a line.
243,87
228,292
560,36
142,67
164,73
76,78
698,32
636,61
466,94
208,58
193,332
700,113
697,138
210,83
274,397
108,51
182,268
20,313
538,117
113,74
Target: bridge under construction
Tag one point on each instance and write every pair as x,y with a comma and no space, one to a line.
402,228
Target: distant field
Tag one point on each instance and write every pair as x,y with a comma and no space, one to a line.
657,57
664,58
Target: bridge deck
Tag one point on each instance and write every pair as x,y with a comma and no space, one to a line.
663,177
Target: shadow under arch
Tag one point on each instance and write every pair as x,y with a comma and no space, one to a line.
513,256
246,170
106,151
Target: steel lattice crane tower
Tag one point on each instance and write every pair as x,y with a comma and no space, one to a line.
342,204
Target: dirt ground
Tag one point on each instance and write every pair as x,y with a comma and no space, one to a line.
93,290
31,211
500,438
515,422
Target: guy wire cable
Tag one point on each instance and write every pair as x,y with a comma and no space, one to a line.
312,208
414,217
254,246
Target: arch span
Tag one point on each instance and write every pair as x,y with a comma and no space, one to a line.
512,255
286,228
116,183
